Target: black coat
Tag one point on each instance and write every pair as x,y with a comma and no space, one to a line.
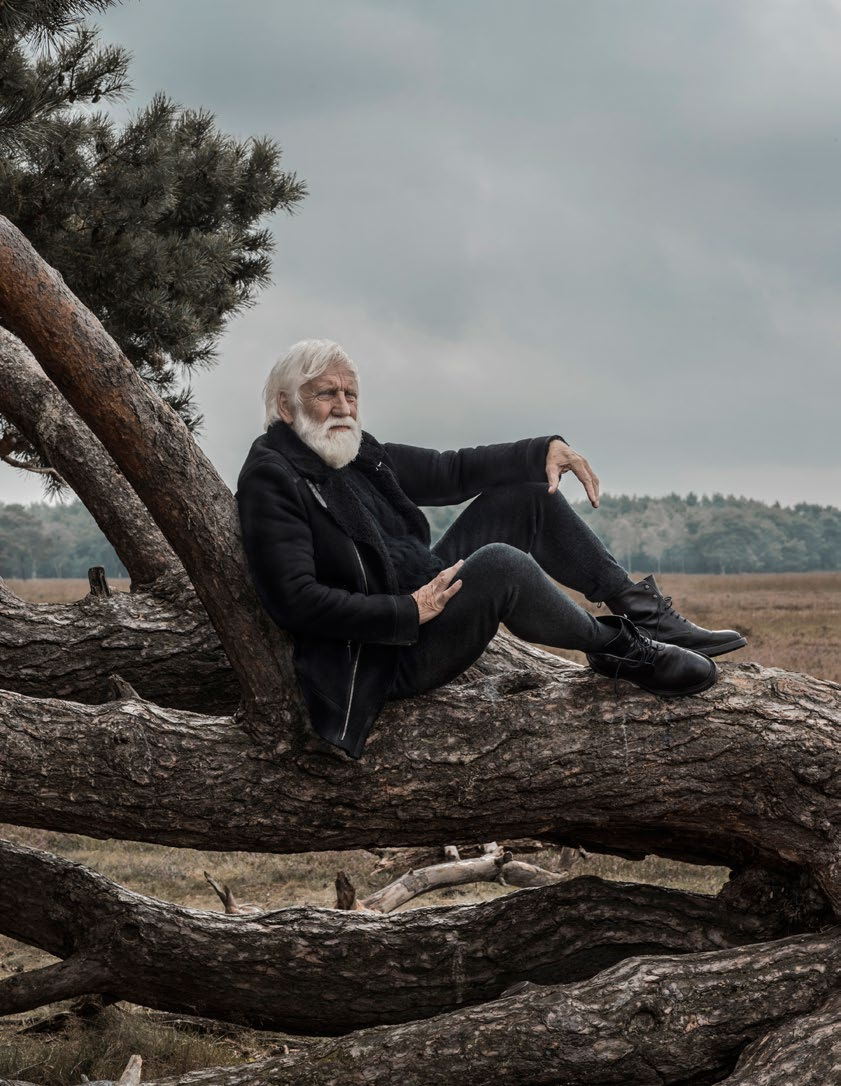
322,572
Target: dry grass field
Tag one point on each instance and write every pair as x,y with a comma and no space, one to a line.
55,590
792,621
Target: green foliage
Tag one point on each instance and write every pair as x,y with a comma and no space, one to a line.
714,534
43,540
717,534
155,223
669,535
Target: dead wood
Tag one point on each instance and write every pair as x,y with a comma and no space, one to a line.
644,1022
346,894
747,774
804,1051
159,641
229,903
299,969
131,1075
99,582
497,866
405,859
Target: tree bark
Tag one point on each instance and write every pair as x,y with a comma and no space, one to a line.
159,640
805,1051
749,773
324,971
643,1022
36,407
155,452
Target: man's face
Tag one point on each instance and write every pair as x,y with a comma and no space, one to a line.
327,418
333,395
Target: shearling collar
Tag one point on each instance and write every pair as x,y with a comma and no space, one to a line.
339,497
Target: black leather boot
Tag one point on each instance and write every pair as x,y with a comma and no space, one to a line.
652,612
666,670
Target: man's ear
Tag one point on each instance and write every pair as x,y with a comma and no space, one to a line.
283,407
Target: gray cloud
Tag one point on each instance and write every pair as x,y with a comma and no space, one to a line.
616,221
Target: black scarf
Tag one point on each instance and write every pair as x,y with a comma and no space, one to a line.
340,499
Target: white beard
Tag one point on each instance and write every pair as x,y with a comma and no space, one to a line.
336,447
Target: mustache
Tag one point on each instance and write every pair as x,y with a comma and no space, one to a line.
336,449
344,422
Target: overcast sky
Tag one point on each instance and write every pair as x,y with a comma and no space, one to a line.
619,220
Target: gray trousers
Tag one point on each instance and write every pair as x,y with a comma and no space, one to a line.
510,538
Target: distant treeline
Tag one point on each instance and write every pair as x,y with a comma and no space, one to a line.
715,534
41,540
694,534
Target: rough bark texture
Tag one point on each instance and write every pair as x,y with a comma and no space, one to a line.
747,773
159,640
36,407
155,452
803,1052
326,971
644,1022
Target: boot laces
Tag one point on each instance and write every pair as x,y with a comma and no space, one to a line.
646,646
645,651
666,608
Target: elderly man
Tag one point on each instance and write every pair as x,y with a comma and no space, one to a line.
340,556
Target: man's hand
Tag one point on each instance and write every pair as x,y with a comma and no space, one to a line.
432,598
560,458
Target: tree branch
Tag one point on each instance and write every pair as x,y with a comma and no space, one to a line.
646,1021
63,980
299,969
22,465
39,411
155,452
497,866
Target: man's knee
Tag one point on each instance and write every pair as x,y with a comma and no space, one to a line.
496,566
490,556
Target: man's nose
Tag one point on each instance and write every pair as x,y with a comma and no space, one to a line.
340,404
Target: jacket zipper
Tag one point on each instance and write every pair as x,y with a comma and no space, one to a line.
358,647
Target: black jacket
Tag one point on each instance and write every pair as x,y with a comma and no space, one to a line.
322,572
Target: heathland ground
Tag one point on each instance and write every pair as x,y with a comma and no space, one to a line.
793,621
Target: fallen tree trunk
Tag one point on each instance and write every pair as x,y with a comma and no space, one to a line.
804,1051
159,640
644,1022
325,971
404,859
747,773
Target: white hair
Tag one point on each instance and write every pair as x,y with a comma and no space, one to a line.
303,362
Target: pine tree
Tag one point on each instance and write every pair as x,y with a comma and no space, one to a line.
154,223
